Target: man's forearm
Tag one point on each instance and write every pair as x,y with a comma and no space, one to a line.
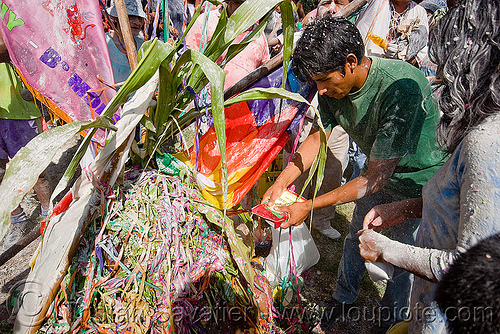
373,180
302,160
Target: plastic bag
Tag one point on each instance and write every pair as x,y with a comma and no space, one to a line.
380,272
305,253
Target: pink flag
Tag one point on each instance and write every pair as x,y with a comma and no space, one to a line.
59,48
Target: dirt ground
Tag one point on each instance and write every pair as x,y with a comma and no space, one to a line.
319,281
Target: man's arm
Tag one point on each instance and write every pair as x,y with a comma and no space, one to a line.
376,177
301,162
4,53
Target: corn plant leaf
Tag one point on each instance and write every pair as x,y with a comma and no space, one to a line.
265,93
215,47
234,49
318,164
288,24
23,170
241,253
245,16
151,59
216,76
166,97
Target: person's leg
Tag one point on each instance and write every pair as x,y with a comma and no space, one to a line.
337,147
397,293
352,265
15,135
43,191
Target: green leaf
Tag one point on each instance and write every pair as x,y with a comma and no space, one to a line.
23,170
216,76
245,16
216,46
241,253
157,51
234,49
146,122
265,93
288,24
318,163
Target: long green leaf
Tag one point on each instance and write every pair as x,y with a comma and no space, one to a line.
240,251
216,46
23,170
151,59
234,49
216,76
288,24
265,93
318,163
245,16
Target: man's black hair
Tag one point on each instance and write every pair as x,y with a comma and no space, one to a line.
469,293
324,46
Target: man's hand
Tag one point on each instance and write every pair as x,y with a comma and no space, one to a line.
371,245
273,193
392,50
297,212
387,215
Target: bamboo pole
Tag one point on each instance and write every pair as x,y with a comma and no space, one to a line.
126,31
277,60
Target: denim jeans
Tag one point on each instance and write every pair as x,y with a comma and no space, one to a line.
352,268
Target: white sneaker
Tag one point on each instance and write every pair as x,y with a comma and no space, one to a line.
16,232
330,232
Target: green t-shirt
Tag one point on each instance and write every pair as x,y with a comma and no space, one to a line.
12,105
392,117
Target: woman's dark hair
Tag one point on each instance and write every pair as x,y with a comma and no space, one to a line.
466,47
324,46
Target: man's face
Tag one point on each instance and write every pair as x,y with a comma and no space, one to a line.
334,84
331,6
136,24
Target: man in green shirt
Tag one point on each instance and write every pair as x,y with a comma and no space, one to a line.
385,107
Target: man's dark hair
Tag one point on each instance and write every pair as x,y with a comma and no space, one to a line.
324,46
469,293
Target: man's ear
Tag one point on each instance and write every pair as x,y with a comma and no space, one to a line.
351,62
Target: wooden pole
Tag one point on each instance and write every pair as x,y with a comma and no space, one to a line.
277,60
128,39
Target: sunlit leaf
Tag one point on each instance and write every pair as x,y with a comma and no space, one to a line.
265,93
23,170
216,76
157,51
288,24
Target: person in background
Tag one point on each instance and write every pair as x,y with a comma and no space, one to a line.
395,29
435,10
394,123
469,292
459,204
19,123
117,52
254,55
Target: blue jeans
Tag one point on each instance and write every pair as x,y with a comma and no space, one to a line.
351,268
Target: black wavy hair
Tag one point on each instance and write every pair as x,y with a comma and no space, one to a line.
469,292
466,47
324,46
